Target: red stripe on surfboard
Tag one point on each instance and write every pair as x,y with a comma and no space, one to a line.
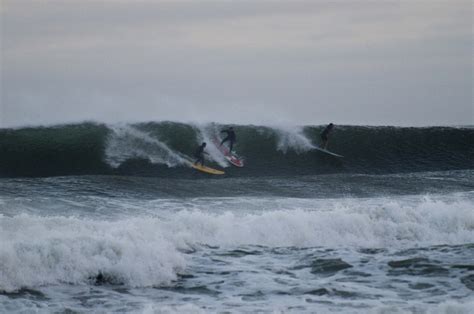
224,150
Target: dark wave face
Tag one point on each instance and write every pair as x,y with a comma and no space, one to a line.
165,148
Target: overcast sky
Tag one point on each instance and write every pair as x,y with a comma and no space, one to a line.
298,62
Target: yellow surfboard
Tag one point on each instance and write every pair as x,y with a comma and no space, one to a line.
206,169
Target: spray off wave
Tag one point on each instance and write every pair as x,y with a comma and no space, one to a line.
126,142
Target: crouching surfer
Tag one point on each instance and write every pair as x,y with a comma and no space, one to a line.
199,154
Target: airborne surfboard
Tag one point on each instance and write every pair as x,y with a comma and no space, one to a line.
207,169
230,156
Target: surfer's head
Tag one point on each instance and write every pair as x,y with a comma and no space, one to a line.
203,144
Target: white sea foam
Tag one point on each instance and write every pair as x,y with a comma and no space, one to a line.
292,137
343,224
447,307
38,251
183,309
206,134
454,307
127,142
145,251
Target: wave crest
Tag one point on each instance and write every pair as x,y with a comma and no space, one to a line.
164,148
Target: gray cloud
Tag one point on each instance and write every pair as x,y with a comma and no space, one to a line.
302,62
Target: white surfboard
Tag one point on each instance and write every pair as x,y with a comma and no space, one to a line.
327,152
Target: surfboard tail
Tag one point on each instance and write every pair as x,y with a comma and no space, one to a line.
208,170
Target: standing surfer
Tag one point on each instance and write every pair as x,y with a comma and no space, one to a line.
325,135
230,138
199,154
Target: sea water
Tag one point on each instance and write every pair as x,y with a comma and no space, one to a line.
129,228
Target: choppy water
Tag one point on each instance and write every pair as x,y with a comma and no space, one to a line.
346,241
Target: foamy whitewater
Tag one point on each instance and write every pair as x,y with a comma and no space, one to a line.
97,218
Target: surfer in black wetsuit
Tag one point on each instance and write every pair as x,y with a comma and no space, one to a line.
230,137
199,154
325,135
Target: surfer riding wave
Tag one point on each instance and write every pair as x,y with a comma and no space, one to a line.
231,138
199,154
325,135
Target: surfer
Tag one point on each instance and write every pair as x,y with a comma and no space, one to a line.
199,154
230,137
325,134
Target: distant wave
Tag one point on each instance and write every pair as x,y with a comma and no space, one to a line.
164,148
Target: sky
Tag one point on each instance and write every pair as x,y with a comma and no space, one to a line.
404,62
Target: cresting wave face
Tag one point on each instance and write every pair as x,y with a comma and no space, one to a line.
161,148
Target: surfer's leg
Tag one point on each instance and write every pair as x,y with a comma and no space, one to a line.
199,160
224,140
231,145
324,141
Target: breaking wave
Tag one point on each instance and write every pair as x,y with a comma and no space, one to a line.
165,149
151,251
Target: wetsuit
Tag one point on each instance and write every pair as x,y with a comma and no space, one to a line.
325,133
199,154
230,137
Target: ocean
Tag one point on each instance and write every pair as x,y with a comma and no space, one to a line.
99,218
